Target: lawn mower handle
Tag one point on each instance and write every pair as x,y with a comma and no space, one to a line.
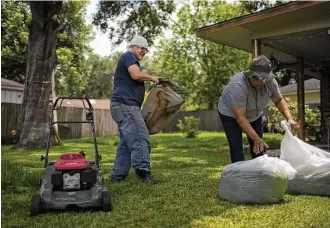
61,99
89,120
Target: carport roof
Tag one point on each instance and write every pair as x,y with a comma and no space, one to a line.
287,31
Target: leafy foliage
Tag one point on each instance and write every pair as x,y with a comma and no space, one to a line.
254,6
72,43
99,75
201,66
15,18
190,126
312,120
72,46
126,18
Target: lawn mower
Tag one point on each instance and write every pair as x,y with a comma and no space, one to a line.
71,182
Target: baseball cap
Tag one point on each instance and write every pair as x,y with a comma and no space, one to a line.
139,41
261,67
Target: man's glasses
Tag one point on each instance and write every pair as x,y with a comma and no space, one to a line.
143,49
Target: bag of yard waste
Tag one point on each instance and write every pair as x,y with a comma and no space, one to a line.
163,101
312,165
261,180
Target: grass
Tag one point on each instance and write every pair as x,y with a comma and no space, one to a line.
190,169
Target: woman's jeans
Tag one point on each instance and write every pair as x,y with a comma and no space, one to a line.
234,136
134,145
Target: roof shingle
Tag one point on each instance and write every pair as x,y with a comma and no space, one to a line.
310,85
7,82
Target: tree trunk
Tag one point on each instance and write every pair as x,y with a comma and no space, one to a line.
40,63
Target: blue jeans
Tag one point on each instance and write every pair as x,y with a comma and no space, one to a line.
134,145
234,136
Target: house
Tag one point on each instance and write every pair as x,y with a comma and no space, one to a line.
295,34
11,91
312,91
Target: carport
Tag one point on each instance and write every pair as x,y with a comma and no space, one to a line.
296,34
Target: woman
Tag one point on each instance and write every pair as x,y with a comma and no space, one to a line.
242,103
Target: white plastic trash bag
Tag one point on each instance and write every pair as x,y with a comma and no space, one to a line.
312,165
262,180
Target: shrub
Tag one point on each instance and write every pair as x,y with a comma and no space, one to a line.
190,126
312,120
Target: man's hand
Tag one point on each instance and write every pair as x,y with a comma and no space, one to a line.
154,78
294,124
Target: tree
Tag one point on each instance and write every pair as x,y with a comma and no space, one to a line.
73,43
124,19
254,6
41,60
72,47
15,18
201,66
100,72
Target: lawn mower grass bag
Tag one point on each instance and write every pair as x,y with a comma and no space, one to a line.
162,103
312,165
262,180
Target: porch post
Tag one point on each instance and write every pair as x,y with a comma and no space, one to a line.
301,97
325,102
256,47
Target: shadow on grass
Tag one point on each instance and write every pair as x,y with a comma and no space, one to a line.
188,197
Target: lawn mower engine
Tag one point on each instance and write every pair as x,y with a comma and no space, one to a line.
73,172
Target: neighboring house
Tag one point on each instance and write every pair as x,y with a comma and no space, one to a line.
312,91
11,91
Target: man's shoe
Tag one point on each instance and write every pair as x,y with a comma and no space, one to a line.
145,177
121,178
116,180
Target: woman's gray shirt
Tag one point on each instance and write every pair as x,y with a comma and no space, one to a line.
240,92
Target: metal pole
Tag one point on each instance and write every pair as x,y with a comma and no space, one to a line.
54,99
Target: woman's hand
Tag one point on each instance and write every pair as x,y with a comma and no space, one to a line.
259,145
293,124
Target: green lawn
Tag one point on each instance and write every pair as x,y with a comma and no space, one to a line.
188,198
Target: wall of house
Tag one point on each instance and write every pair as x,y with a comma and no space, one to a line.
310,98
11,96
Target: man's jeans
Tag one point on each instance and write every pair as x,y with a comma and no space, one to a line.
234,136
134,145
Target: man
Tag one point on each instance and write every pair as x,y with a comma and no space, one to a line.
242,103
126,100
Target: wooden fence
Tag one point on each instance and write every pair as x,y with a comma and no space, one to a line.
105,126
10,114
209,120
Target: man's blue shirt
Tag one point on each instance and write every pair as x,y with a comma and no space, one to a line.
126,90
